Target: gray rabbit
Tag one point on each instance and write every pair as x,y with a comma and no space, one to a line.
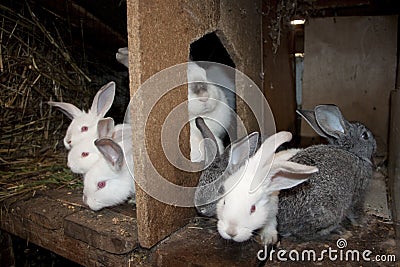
318,206
303,193
210,183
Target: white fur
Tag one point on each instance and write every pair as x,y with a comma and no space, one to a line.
119,186
100,105
257,183
119,182
211,104
85,154
79,162
122,56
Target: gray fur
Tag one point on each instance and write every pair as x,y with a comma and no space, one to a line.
209,188
317,207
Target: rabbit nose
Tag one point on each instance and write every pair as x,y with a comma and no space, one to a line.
231,231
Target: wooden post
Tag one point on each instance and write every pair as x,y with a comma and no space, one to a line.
159,36
394,150
394,160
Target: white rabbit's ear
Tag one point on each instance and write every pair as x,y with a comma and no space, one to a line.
103,100
105,127
111,151
286,174
121,131
330,119
243,148
68,109
309,117
262,162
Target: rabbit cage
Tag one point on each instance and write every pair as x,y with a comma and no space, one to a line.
64,50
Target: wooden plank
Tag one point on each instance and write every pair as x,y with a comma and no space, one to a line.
105,230
199,244
41,219
394,160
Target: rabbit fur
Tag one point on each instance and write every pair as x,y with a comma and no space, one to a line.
110,181
85,154
207,190
316,208
84,124
210,101
251,189
122,56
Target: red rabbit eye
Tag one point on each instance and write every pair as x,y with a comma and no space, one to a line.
101,184
84,129
84,154
252,209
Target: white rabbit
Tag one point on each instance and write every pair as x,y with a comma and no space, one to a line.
209,101
85,154
110,181
84,124
252,188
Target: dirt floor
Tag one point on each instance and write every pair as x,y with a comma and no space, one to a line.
374,243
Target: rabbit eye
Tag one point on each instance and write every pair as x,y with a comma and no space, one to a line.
84,129
365,136
101,184
85,154
252,209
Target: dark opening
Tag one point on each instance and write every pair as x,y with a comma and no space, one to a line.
210,48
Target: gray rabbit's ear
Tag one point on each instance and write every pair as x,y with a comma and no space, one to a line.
331,120
111,151
309,117
244,148
210,143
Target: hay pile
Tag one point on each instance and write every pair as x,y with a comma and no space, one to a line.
35,66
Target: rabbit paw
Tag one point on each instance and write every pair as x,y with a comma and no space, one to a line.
269,236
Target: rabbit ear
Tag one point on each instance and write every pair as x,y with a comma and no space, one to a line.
309,117
210,143
262,161
122,56
103,99
244,148
111,151
286,174
122,131
105,127
68,109
331,120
